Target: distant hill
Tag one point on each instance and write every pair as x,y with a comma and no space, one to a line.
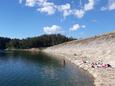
3,42
33,42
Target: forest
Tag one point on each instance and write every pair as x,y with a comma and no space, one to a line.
33,42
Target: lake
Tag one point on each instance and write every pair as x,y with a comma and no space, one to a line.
37,69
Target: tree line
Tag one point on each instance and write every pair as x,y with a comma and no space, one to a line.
33,42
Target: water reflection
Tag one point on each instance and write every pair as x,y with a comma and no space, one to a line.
37,69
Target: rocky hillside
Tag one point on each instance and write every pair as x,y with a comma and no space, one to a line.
95,48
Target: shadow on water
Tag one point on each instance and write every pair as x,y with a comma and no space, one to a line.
32,57
38,69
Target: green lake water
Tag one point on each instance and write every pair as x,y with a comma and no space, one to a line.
38,69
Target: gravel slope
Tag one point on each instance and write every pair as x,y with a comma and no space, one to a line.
98,48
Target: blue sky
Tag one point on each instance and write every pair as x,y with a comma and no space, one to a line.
76,18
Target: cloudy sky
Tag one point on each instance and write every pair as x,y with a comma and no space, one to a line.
76,18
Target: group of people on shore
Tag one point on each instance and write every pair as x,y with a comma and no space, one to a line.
94,64
100,64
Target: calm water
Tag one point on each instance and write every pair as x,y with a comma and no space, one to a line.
32,69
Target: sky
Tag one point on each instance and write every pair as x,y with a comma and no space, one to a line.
73,18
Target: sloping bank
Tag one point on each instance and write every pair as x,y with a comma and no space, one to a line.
85,52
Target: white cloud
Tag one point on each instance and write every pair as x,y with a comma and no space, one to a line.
30,3
48,7
79,13
65,9
54,29
42,1
67,13
83,26
89,5
75,27
111,5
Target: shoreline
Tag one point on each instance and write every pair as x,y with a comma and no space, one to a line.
95,55
102,76
30,50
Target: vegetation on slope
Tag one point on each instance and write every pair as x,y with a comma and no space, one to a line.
33,42
3,42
